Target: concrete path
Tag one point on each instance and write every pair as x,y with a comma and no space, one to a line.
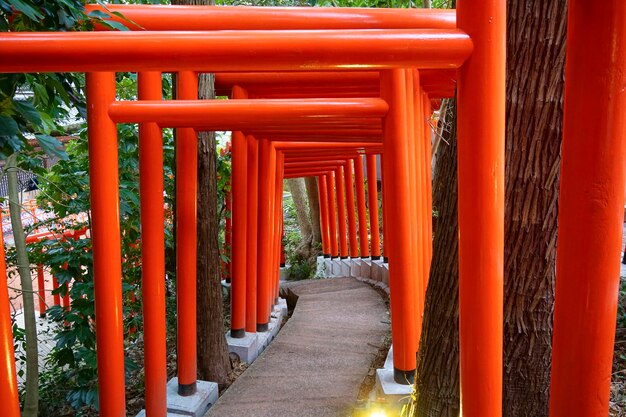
318,361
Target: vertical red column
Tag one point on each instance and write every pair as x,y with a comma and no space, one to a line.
384,196
41,291
397,209
152,251
228,233
428,178
9,396
354,246
251,234
372,202
480,98
323,200
341,213
332,216
591,212
267,172
239,224
278,216
56,296
105,233
418,233
360,203
186,207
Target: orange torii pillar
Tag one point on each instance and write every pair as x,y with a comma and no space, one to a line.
414,139
372,202
267,174
480,124
152,250
186,206
591,212
8,389
349,183
105,234
383,190
428,174
251,235
277,222
397,210
341,212
323,202
361,208
332,215
239,224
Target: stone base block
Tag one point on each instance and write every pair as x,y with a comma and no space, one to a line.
355,267
195,405
366,266
336,268
385,275
328,268
395,395
275,323
377,270
245,348
284,272
282,306
142,413
345,267
320,270
263,340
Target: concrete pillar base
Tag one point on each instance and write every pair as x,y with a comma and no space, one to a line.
355,267
282,306
366,266
195,405
320,267
264,339
245,348
394,394
377,270
336,268
142,413
284,272
328,268
385,276
345,267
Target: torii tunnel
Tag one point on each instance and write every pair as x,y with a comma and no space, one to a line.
321,92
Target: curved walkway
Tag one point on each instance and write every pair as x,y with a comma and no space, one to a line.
319,359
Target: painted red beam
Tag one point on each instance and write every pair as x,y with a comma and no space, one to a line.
169,18
292,146
231,51
235,114
338,84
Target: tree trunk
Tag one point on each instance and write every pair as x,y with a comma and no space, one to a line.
536,49
314,211
298,194
213,359
437,373
31,395
535,63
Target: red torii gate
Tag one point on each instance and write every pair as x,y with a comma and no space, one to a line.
592,179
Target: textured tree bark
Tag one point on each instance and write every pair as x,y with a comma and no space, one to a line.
536,50
314,211
535,63
31,389
299,196
213,359
437,373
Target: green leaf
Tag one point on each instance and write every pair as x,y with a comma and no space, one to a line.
31,12
98,14
114,25
51,146
27,111
8,126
